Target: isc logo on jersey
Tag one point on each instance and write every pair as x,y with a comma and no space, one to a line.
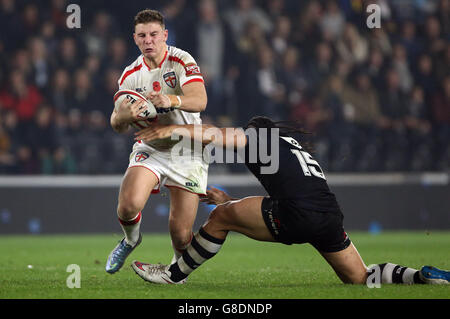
147,116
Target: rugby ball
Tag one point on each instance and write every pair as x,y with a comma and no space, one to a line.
148,114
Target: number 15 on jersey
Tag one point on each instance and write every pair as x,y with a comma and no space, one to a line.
309,166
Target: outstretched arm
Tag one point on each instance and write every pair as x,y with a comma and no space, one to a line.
204,133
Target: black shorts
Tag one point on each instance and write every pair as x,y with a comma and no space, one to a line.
289,224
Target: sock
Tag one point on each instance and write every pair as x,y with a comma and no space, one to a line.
396,274
202,247
178,251
131,229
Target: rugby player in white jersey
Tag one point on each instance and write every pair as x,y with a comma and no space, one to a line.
171,80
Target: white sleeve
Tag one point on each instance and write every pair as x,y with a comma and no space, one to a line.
188,71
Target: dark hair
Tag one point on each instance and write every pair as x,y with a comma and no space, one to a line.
147,16
286,127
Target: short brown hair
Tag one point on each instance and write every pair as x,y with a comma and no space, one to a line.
147,16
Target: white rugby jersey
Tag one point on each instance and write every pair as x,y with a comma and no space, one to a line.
177,68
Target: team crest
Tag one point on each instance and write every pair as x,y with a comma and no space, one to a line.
141,156
170,79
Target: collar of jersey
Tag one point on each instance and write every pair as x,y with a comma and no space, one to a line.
164,59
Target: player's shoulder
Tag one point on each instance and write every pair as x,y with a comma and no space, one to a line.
131,69
179,56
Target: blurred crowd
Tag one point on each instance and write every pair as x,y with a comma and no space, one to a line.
374,99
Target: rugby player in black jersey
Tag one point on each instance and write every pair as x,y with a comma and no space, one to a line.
300,207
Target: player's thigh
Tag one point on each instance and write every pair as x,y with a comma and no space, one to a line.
183,208
348,265
243,216
136,187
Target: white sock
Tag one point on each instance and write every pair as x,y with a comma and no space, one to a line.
131,229
396,274
178,251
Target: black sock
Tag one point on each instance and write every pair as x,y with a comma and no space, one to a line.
396,274
202,247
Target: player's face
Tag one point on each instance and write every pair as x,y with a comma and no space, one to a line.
151,39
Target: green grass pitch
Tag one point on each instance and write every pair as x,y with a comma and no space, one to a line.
243,269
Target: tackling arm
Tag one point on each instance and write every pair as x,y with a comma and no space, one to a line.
223,137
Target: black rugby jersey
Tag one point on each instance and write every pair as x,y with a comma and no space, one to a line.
299,178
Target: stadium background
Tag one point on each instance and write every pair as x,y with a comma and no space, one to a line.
376,100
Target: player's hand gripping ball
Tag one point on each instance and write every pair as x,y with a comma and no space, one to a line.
148,114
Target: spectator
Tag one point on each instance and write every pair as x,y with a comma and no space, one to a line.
401,65
419,131
321,65
375,68
306,33
117,53
108,89
362,110
281,35
339,130
440,108
68,54
408,38
277,8
273,94
292,75
443,14
443,64
41,135
25,163
92,64
59,92
214,40
83,97
315,118
20,97
30,19
10,20
60,163
243,12
434,43
332,22
48,35
394,108
40,63
97,36
6,156
379,39
424,75
352,47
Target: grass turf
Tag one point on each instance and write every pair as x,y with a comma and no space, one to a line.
243,269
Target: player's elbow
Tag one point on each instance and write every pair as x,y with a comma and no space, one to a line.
202,102
116,126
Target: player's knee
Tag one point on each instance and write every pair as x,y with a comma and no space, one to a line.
221,215
128,209
179,230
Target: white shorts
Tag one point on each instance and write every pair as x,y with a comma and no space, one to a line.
189,173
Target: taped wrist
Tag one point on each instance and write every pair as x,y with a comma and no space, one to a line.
175,101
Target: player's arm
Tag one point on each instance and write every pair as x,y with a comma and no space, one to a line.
124,115
229,137
194,98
